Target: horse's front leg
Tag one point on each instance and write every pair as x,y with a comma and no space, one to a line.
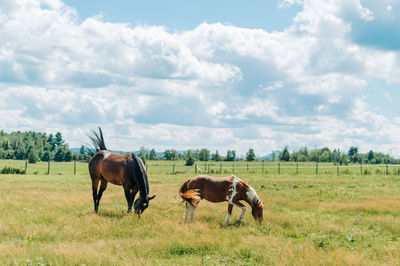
128,196
240,205
133,192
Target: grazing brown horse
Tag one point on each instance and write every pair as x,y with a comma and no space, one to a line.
125,170
214,189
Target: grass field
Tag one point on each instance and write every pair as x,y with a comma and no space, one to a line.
308,219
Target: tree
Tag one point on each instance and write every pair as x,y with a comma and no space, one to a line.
170,154
189,158
32,156
230,155
51,142
250,155
82,150
68,156
370,156
352,151
59,139
284,155
273,156
152,155
215,156
204,155
59,155
46,156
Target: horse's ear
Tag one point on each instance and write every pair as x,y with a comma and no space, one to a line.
152,197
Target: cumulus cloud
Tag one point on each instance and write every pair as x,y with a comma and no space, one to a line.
216,86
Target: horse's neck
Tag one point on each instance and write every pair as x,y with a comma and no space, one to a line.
252,197
141,177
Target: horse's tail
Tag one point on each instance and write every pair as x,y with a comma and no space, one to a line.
192,196
97,141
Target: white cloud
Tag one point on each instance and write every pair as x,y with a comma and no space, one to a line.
216,86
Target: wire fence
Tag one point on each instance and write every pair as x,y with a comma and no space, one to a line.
217,168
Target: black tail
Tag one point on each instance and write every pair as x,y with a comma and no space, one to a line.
97,141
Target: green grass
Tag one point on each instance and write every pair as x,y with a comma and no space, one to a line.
308,219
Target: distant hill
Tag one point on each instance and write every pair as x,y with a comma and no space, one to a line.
77,150
268,157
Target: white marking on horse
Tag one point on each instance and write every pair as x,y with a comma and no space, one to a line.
106,154
252,195
228,218
232,189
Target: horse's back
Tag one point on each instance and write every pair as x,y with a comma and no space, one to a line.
111,166
214,189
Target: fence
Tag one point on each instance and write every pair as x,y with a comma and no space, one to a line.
215,168
278,168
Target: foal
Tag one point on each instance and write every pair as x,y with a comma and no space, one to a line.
213,189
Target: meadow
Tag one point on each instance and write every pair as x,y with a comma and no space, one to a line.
314,219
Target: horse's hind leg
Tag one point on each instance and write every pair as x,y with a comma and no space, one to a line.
187,209
192,209
95,184
229,213
103,186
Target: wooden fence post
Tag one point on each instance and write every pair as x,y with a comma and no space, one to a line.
48,167
173,168
220,168
387,170
279,168
195,168
361,167
74,167
26,166
316,169
337,168
297,168
247,167
263,167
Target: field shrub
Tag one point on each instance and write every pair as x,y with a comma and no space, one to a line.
347,172
11,170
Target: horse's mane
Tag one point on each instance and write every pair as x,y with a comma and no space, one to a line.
97,141
141,176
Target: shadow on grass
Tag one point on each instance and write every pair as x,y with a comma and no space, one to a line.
106,213
113,214
233,224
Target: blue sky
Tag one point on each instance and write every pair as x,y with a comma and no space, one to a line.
204,74
178,15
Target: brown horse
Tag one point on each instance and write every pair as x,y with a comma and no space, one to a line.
213,189
125,170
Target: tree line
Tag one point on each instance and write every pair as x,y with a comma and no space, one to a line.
35,146
336,156
301,155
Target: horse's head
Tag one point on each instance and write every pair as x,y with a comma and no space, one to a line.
141,204
257,211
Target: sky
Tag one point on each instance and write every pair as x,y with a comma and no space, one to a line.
223,75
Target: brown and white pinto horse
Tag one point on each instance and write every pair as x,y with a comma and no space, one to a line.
125,170
214,189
